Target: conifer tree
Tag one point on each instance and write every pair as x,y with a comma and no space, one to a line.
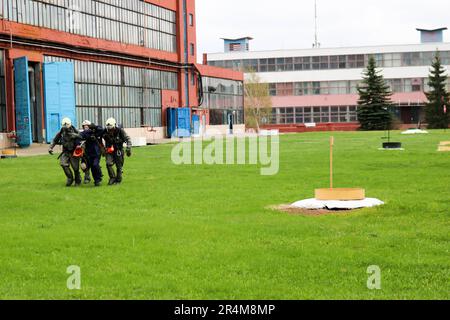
374,100
438,97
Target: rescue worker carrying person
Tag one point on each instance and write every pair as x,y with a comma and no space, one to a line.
115,137
71,152
84,161
92,136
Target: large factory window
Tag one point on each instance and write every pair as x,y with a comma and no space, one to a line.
223,97
131,95
133,21
383,60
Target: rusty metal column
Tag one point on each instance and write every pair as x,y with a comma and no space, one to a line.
186,51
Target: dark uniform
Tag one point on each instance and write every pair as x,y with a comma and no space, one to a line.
115,138
67,138
93,151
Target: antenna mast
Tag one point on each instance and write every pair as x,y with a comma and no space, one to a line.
316,41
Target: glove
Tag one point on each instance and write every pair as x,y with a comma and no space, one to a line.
128,152
50,150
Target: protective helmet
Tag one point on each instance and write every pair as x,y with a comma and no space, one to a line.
86,123
111,123
66,122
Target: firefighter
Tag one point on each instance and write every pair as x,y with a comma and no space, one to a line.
70,156
84,161
92,135
115,137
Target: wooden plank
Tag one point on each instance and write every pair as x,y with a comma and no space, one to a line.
340,194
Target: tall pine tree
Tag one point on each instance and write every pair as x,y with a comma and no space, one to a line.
374,100
438,96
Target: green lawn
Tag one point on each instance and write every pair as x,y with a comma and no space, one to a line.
204,232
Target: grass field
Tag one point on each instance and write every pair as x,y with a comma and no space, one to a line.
204,232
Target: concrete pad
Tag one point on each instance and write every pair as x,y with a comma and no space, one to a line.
139,141
314,204
268,133
415,131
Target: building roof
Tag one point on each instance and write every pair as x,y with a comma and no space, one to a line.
431,30
243,38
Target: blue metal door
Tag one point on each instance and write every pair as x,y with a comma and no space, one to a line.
66,74
59,96
184,122
179,122
22,100
196,124
171,121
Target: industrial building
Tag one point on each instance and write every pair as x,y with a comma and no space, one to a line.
317,88
96,59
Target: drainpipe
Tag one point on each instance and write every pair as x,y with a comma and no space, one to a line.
186,50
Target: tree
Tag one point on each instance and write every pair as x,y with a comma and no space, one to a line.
374,100
438,96
257,102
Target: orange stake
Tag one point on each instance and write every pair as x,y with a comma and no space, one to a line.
331,161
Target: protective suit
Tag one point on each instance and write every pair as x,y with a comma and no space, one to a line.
115,137
92,137
69,142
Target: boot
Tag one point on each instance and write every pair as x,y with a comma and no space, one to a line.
97,174
87,177
112,176
119,176
69,176
77,178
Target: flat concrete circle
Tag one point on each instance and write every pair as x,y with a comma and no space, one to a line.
314,204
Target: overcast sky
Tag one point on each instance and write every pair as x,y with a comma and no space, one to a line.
289,24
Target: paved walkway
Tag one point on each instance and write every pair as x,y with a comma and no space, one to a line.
37,149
